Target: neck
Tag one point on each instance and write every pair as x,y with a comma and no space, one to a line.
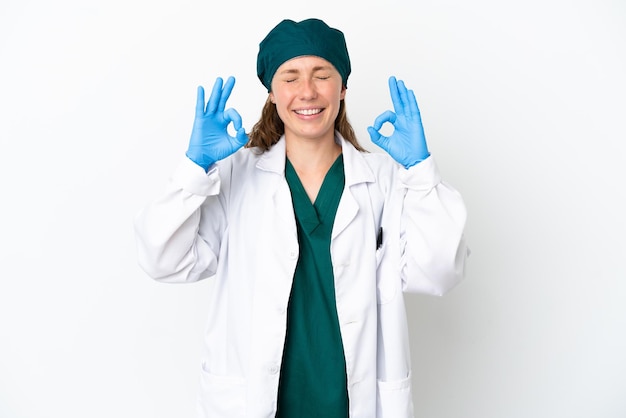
311,155
311,158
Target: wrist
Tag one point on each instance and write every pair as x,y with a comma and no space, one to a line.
200,160
410,163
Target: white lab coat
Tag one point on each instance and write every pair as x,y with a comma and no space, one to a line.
237,223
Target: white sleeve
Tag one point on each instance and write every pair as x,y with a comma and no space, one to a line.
433,247
169,245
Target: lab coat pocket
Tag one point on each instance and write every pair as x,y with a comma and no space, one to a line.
221,396
394,398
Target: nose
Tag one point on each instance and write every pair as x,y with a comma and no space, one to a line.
308,90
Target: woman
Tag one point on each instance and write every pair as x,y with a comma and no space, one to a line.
310,240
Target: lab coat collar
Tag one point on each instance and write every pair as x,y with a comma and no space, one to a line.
356,168
273,160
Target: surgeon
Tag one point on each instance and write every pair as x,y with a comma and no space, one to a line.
309,239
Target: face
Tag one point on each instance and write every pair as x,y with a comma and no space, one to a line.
307,92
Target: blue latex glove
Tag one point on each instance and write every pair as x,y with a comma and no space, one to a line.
407,143
210,140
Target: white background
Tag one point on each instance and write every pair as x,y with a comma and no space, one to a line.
523,105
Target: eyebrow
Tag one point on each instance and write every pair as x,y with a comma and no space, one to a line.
295,70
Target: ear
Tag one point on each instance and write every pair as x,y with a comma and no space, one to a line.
343,93
272,97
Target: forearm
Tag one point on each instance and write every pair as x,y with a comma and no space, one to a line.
170,247
433,221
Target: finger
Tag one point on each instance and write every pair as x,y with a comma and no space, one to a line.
242,137
404,98
200,102
387,116
413,107
231,115
215,96
395,95
228,88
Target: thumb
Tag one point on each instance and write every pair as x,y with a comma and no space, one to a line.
374,134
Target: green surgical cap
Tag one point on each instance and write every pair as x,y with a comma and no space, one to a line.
291,39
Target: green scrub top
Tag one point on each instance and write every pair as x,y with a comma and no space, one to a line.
313,379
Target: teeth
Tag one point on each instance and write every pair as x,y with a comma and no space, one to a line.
308,112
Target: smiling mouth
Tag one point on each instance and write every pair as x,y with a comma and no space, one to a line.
308,112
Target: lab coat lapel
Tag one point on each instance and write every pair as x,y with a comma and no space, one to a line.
357,173
272,162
